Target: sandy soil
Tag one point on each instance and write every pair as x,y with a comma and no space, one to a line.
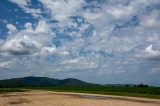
47,98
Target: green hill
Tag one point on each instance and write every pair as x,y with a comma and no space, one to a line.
41,82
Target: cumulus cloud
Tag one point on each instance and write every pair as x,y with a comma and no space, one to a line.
27,41
20,46
11,28
62,9
86,35
42,27
5,65
152,53
48,50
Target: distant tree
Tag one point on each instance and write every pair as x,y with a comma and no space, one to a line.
142,85
145,85
127,85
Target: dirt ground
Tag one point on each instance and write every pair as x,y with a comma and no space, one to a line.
47,98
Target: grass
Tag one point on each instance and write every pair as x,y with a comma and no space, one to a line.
149,92
4,90
146,92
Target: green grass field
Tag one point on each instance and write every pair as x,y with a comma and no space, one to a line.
147,92
4,90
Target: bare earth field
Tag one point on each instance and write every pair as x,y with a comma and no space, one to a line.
47,98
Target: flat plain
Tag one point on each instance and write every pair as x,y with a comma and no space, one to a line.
50,98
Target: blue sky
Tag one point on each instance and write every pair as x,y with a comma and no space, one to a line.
99,41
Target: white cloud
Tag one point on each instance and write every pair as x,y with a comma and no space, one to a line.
80,63
62,9
42,27
151,20
20,46
35,12
12,28
21,2
28,26
48,50
121,29
27,41
152,52
119,11
64,53
92,16
5,65
24,5
154,71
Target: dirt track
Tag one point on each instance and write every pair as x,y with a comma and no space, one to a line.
46,98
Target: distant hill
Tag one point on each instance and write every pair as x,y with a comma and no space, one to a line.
41,82
121,85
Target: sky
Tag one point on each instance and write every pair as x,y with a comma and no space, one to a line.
98,41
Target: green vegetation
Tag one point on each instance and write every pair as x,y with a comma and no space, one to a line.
75,85
3,90
147,92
